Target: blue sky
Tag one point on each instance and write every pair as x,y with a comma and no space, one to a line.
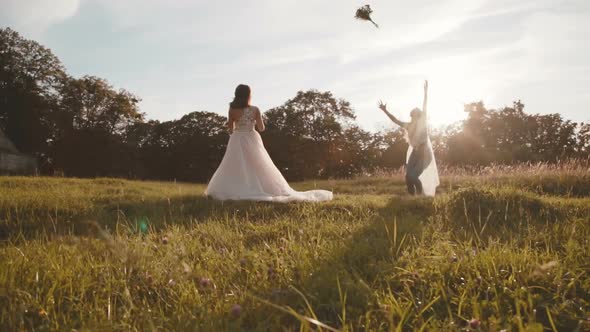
181,56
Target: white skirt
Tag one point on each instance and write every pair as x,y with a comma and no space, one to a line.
248,173
429,177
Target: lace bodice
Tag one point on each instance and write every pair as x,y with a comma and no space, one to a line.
247,120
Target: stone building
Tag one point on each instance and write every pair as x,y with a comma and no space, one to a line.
12,161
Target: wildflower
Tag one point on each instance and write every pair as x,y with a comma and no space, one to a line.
474,323
236,310
205,282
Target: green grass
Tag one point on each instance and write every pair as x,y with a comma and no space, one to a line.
509,250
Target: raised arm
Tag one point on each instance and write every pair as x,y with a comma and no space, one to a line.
383,107
259,121
424,104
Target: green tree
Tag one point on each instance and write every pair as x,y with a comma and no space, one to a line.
510,135
92,103
30,77
393,149
583,144
304,134
90,127
199,141
188,149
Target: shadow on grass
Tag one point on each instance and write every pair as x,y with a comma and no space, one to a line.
344,281
137,216
351,278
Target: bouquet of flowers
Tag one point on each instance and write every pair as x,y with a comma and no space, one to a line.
364,13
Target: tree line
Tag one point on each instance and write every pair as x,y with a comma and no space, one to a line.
84,127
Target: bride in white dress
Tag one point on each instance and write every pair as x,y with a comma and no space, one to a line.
246,171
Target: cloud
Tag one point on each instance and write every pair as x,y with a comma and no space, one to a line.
175,54
554,57
34,16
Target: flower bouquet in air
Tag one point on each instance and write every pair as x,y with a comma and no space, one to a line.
364,13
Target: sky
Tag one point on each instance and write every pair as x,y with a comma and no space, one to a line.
181,56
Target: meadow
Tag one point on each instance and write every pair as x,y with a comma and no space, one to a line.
506,248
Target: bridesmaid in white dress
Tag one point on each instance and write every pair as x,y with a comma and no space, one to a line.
247,171
421,171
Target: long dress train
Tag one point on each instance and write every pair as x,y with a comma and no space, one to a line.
248,173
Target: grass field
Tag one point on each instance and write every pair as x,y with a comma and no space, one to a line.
505,250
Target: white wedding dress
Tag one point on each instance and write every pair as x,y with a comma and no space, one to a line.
247,172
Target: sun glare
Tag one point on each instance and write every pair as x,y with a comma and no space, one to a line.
453,82
445,104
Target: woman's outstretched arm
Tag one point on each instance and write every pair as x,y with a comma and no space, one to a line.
383,107
424,104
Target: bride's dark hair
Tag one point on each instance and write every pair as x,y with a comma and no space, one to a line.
241,97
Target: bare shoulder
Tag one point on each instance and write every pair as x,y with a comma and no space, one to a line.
256,109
